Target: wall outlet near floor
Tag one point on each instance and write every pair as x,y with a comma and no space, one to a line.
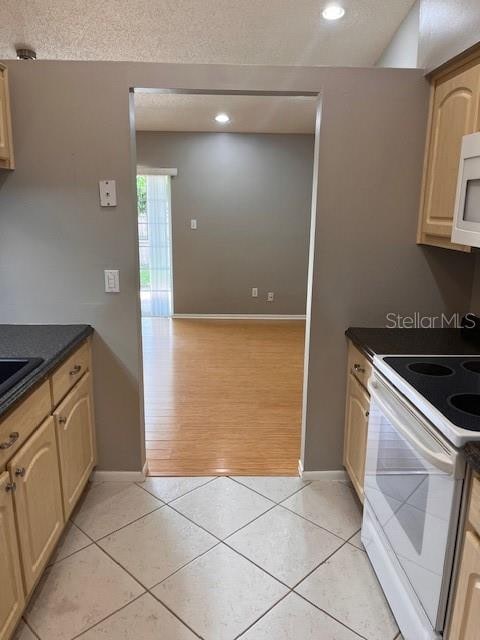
270,296
193,224
254,292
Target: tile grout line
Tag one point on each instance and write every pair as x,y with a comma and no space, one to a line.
157,584
124,526
317,525
262,616
267,497
25,621
330,616
183,494
79,635
176,615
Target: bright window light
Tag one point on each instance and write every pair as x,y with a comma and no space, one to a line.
333,12
222,118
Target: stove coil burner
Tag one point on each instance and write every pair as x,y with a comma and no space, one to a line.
430,369
466,402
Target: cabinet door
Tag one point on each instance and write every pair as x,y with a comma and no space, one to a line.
6,148
76,442
466,613
12,598
38,500
356,424
454,114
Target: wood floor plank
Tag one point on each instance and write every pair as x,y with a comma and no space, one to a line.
222,396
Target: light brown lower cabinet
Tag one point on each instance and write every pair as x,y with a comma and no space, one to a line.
466,617
48,452
356,426
76,445
465,624
12,598
38,500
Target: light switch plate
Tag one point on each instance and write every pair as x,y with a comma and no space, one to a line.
108,193
193,224
112,281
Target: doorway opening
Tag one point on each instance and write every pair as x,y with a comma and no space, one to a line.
155,244
223,364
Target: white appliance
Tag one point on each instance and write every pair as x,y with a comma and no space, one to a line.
466,220
413,492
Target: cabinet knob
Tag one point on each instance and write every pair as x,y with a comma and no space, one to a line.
76,369
12,438
62,420
367,413
20,472
11,486
358,367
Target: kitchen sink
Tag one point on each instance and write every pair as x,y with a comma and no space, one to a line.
12,370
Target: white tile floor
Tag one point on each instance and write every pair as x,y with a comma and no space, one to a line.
212,558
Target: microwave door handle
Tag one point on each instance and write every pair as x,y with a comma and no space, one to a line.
440,460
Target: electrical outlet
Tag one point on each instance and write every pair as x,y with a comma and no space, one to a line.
254,292
270,296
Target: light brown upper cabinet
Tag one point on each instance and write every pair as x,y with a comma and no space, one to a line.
454,112
6,143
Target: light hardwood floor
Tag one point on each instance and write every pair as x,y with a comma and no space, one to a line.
223,397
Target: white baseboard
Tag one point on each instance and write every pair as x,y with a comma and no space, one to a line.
237,316
120,476
341,474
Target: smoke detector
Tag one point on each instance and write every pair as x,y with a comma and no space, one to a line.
24,53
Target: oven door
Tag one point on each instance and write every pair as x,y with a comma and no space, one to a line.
413,484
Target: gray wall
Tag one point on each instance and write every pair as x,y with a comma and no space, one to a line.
402,50
366,261
71,124
251,195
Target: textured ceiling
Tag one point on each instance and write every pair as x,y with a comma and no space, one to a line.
260,114
273,32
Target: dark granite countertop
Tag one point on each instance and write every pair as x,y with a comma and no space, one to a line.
433,342
52,342
447,342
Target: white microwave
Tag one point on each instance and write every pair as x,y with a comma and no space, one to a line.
466,218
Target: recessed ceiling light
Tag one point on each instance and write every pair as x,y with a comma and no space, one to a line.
333,12
222,118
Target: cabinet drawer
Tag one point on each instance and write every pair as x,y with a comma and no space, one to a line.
358,365
18,425
66,376
474,510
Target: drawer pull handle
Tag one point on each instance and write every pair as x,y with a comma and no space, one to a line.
11,440
76,369
11,486
358,368
367,413
20,472
62,420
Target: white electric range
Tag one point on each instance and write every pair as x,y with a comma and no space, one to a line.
423,410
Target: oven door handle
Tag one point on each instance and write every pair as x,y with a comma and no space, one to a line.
442,461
